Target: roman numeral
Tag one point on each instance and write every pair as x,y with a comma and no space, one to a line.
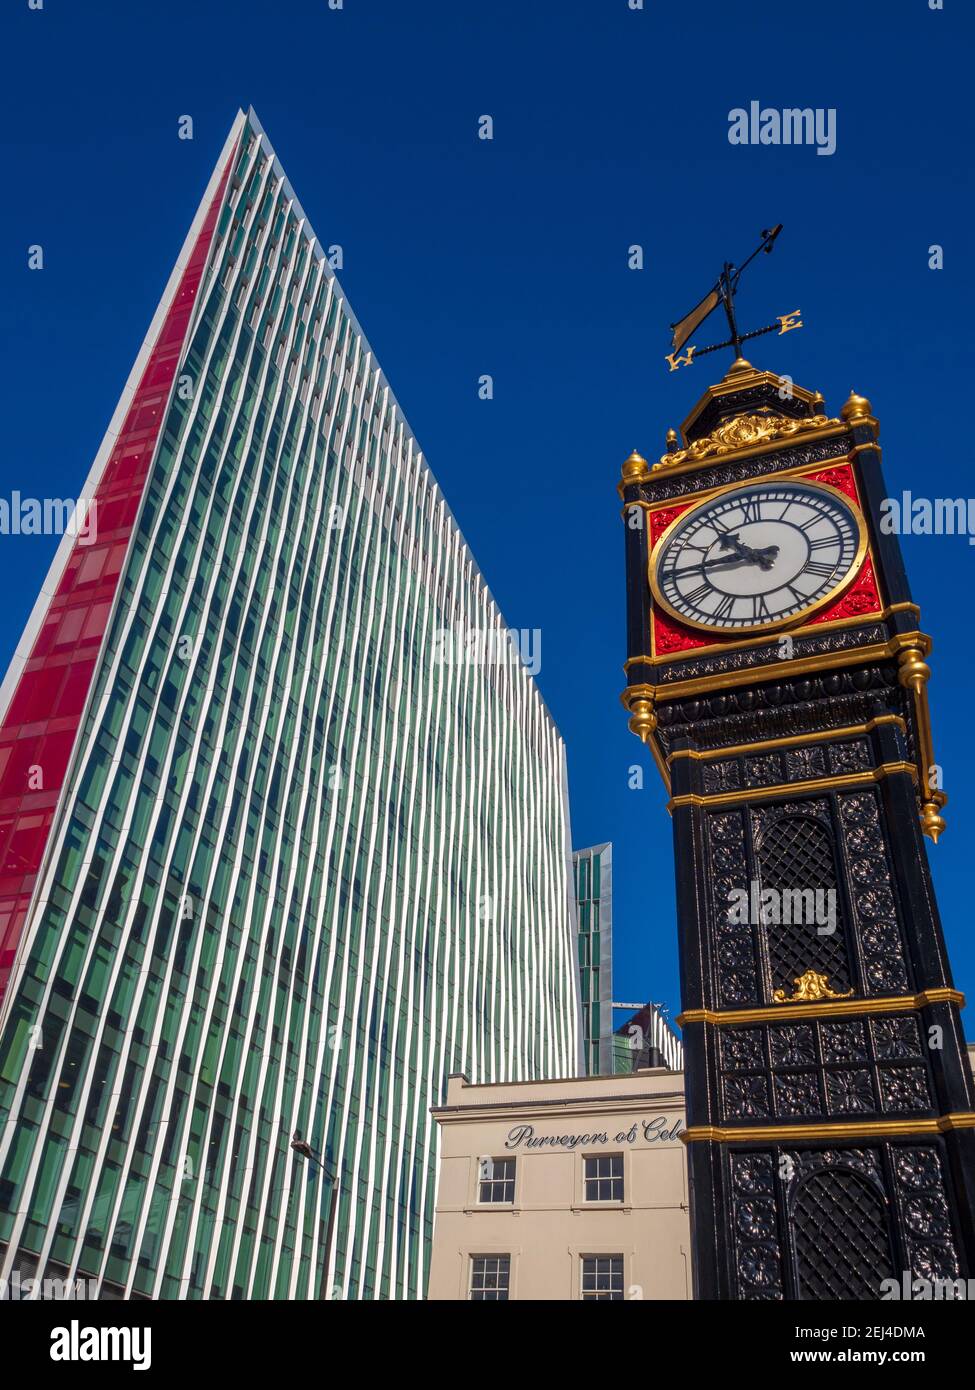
819,567
760,609
697,594
725,607
670,577
678,548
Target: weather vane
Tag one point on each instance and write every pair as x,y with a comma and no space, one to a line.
724,293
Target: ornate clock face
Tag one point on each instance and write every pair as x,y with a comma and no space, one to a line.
757,556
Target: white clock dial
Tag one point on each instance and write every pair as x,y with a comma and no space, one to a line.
757,556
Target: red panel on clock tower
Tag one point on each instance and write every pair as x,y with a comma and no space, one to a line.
859,600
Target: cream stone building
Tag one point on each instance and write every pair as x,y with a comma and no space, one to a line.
569,1189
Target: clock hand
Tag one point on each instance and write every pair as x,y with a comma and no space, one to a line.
722,562
726,560
745,554
729,540
764,558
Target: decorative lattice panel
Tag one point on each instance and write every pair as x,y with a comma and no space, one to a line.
795,856
842,1240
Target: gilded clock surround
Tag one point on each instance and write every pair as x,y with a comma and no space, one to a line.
911,649
703,500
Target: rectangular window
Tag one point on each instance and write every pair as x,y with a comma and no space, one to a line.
604,1178
497,1180
583,880
490,1275
602,1278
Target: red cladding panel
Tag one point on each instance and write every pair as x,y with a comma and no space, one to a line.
42,721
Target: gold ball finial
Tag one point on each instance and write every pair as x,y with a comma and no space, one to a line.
635,468
672,441
643,720
913,672
932,821
739,365
856,408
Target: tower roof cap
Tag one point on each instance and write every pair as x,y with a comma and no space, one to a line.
745,390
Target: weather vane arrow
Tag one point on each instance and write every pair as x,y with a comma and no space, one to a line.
724,293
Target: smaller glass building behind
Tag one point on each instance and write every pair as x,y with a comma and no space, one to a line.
646,1039
593,877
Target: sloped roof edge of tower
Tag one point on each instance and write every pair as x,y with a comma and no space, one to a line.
740,377
49,586
254,120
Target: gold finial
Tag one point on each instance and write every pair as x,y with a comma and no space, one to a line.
912,670
739,365
672,441
818,401
856,408
932,821
642,720
635,468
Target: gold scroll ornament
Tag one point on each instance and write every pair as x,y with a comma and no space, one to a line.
809,988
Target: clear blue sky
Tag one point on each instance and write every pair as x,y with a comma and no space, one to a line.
464,257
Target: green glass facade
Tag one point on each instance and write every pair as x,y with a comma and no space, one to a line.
593,878
303,867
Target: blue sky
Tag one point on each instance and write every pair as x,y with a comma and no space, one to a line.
509,257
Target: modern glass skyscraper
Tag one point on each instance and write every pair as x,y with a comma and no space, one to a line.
593,877
276,857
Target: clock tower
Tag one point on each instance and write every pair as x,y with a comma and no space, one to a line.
777,670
